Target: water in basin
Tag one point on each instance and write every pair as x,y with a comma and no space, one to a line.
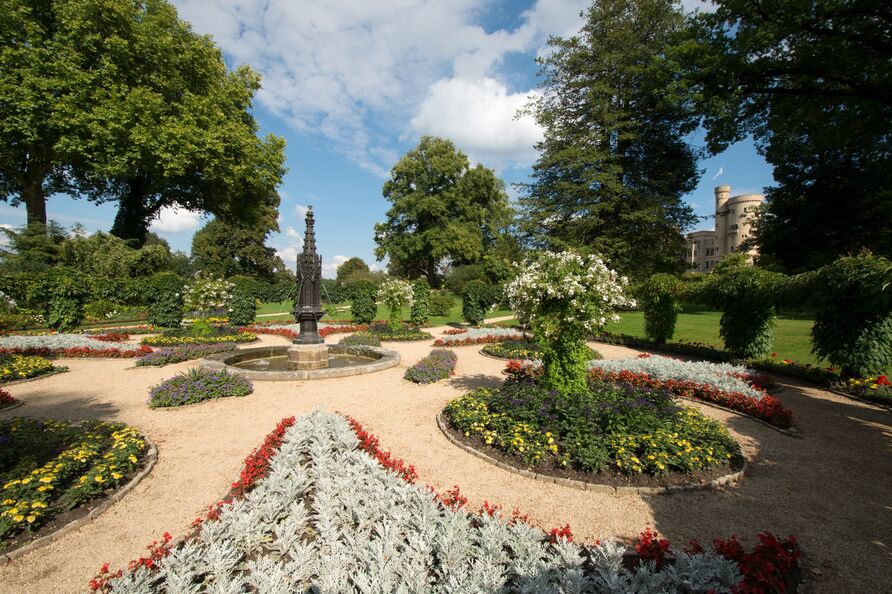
281,363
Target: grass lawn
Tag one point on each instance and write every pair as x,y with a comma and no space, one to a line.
282,311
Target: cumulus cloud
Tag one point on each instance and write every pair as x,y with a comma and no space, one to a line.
480,116
175,220
301,211
355,72
330,268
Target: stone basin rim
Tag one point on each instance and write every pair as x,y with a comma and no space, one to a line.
384,359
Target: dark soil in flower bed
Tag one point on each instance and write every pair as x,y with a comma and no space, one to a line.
610,478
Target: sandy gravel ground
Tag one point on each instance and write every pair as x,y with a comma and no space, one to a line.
831,489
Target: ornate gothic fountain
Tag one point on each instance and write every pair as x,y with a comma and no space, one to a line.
308,357
308,350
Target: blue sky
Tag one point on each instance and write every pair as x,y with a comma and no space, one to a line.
353,84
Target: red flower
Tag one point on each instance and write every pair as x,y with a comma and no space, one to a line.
882,381
651,548
562,532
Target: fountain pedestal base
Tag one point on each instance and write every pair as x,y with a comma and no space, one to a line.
308,356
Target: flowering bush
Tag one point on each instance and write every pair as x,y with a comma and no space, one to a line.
15,367
564,298
396,294
167,356
623,428
55,465
197,385
206,293
440,364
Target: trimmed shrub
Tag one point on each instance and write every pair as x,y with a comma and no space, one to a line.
396,293
363,307
853,315
167,310
475,302
441,304
421,302
242,307
658,297
440,364
747,297
67,292
197,385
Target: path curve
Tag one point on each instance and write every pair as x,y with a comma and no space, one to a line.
830,489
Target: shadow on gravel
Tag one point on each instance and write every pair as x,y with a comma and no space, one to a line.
830,489
471,382
78,407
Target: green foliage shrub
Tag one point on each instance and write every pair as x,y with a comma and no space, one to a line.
166,306
658,297
242,307
747,297
475,302
462,275
421,302
853,314
363,306
66,291
441,304
360,339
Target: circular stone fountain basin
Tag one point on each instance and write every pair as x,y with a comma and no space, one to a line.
271,363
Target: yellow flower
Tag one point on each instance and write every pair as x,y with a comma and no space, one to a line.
18,518
31,518
98,478
115,475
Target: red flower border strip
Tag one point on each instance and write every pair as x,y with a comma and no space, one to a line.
468,341
256,467
291,334
79,352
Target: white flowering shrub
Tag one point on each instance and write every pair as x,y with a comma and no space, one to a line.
329,518
396,294
723,376
565,297
206,293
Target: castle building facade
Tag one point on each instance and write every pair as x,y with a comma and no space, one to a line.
733,225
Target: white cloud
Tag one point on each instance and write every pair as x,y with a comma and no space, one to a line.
330,268
289,256
4,239
175,220
479,116
293,234
354,72
301,211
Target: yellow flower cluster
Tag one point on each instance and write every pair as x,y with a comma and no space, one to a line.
164,341
15,367
870,383
99,453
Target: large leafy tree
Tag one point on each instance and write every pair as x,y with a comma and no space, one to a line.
614,163
442,209
812,81
120,100
226,249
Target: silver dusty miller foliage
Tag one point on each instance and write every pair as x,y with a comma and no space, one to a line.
329,519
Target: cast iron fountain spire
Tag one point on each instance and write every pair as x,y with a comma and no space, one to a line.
309,278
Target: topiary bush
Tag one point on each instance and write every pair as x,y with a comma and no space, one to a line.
475,302
441,304
421,303
747,297
363,306
167,309
658,298
242,308
853,315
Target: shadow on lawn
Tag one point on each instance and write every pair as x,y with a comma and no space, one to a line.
830,489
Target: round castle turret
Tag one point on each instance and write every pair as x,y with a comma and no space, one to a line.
722,193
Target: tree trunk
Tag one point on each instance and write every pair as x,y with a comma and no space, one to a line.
35,200
132,221
432,278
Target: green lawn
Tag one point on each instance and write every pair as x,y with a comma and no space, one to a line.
281,311
791,335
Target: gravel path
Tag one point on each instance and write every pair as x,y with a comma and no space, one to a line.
831,489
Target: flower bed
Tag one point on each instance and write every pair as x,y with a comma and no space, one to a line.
174,340
360,339
50,466
292,331
611,429
167,356
6,399
401,333
522,350
129,330
198,385
68,345
482,336
110,337
455,331
440,364
17,367
302,525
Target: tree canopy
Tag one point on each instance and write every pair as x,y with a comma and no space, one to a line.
812,82
615,163
442,209
351,267
132,107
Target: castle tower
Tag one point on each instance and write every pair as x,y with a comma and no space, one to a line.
722,193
